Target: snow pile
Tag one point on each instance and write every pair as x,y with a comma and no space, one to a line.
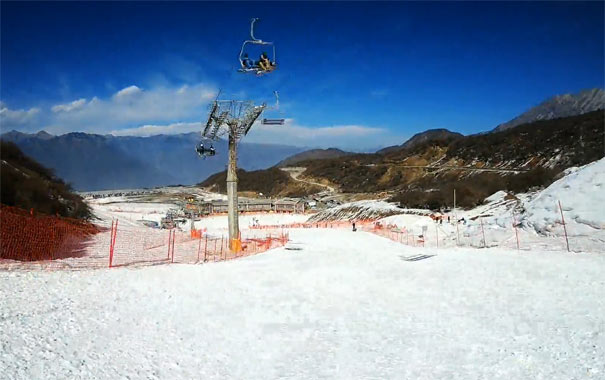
582,196
360,210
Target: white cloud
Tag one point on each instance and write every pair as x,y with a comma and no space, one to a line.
181,109
132,108
73,106
353,137
127,92
150,130
356,137
17,118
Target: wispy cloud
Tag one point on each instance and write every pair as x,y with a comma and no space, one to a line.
356,137
75,105
10,119
150,130
127,92
137,111
131,108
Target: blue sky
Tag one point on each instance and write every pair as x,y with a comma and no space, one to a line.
353,75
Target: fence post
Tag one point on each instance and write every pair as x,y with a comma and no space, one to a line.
169,241
564,228
221,255
173,238
483,232
457,233
516,232
205,248
437,234
199,246
111,245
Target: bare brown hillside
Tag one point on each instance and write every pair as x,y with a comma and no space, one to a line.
516,159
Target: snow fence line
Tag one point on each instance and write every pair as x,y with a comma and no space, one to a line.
127,246
472,233
130,246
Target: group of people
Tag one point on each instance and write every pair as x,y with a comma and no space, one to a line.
203,151
264,63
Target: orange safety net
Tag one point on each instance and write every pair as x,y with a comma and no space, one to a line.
27,236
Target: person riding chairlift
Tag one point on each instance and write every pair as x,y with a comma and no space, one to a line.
264,63
247,63
202,151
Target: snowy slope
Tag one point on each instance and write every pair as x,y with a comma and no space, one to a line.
348,306
582,196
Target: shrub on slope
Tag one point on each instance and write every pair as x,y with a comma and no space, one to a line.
27,184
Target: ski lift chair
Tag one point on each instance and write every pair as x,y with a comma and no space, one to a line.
273,121
255,41
203,152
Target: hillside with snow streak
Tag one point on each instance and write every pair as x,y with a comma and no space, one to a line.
582,195
361,210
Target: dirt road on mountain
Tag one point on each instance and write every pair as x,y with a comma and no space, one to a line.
295,173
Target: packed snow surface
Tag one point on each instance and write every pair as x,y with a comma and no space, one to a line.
347,305
582,196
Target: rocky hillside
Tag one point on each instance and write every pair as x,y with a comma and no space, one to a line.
514,159
272,182
313,154
27,184
423,137
560,106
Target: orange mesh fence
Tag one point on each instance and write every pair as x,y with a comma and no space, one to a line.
54,243
27,236
473,233
134,246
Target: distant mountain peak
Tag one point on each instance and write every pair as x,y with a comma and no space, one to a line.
421,137
558,106
313,154
44,135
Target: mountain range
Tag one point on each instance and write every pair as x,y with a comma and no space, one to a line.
560,106
424,174
100,162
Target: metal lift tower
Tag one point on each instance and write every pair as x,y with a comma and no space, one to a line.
233,118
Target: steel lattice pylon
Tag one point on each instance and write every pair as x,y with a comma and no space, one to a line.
231,117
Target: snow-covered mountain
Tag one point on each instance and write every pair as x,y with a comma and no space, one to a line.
560,106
